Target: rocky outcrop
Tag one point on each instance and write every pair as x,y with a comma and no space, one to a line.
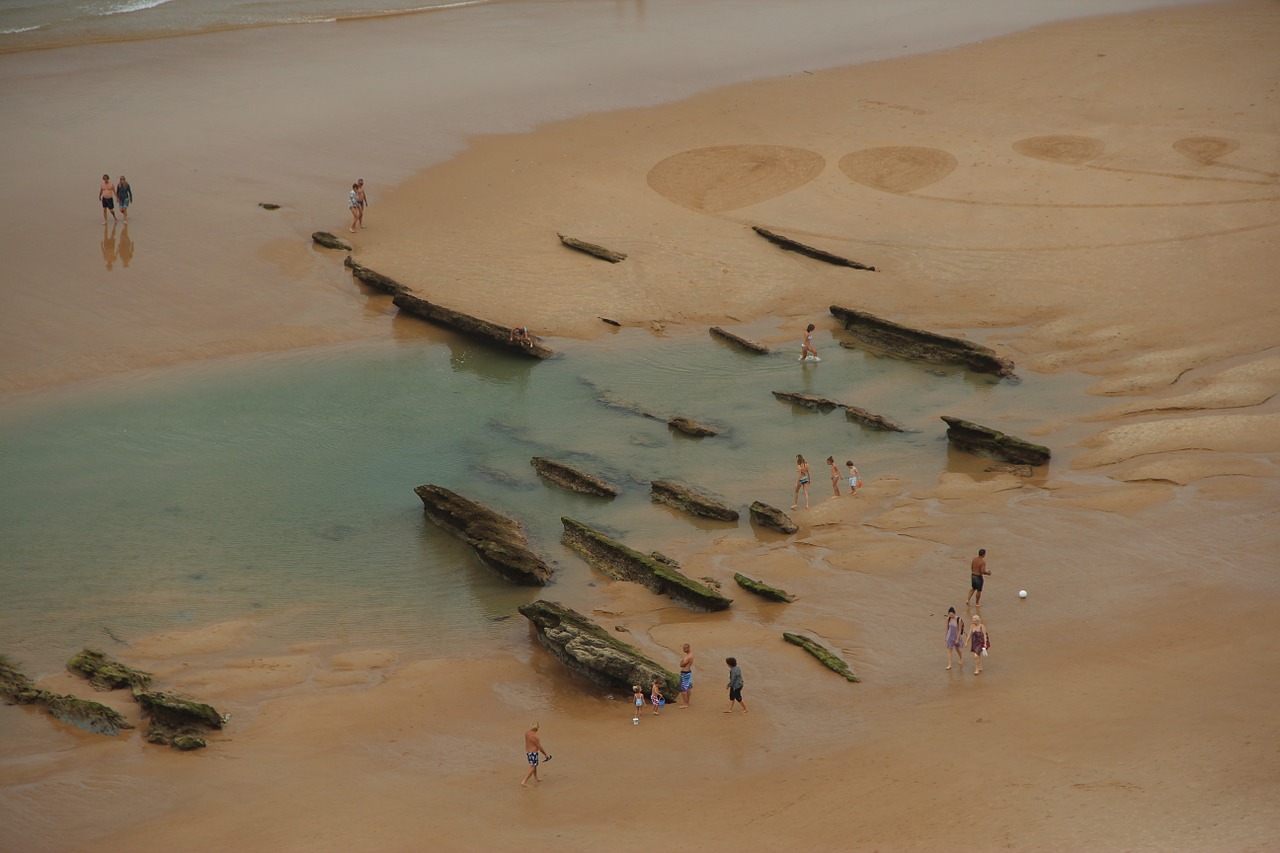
269,205
377,280
993,444
738,340
95,717
808,401
107,674
566,476
659,576
498,540
324,238
817,254
829,660
919,344
769,516
852,413
689,426
763,589
592,249
475,327
871,420
591,651
176,720
690,501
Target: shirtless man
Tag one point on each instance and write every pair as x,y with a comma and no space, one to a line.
107,195
686,677
977,571
532,746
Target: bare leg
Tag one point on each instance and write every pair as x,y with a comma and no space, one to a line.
977,662
533,772
355,217
795,499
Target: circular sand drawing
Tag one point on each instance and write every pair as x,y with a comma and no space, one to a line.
897,168
1072,150
727,177
1205,149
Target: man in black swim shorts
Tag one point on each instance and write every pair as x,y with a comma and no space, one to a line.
977,571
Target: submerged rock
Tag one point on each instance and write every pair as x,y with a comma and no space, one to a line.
655,573
689,426
993,444
105,673
498,540
830,660
81,713
763,589
808,401
574,479
329,241
919,344
690,501
871,420
770,516
587,649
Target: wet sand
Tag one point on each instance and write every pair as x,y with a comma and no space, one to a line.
1099,196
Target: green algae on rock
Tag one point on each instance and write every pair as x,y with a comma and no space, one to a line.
826,656
763,589
104,673
81,713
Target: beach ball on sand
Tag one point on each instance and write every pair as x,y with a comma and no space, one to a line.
1022,593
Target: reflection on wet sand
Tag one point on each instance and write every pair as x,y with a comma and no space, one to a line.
126,247
109,245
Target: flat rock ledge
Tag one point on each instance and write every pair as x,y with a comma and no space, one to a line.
852,413
690,501
763,589
592,249
329,241
94,717
376,280
739,341
919,344
660,576
871,420
809,251
829,659
574,479
589,650
498,540
770,516
807,401
993,444
474,327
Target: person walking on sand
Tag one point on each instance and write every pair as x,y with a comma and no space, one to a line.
353,203
806,347
979,642
124,195
686,677
855,480
735,685
362,198
977,571
532,746
107,195
802,482
655,696
637,696
955,637
835,475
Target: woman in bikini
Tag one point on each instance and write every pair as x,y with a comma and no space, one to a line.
806,348
835,475
802,482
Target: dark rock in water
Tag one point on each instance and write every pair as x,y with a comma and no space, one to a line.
829,660
993,444
737,340
475,327
689,426
592,249
267,205
324,238
107,674
575,480
871,420
497,539
851,413
817,254
808,401
773,517
81,713
176,720
587,649
919,344
689,501
374,279
622,563
763,589
1015,470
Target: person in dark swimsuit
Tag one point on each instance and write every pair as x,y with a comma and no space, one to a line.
802,482
107,195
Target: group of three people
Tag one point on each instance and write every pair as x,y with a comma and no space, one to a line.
802,479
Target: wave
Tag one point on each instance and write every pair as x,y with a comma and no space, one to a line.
20,30
133,6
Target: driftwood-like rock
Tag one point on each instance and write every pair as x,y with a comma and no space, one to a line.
592,249
107,674
498,540
808,401
689,426
919,344
851,413
329,241
817,254
871,420
690,501
763,589
268,205
829,659
176,720
738,340
993,444
81,713
385,283
773,517
587,649
475,327
622,563
575,480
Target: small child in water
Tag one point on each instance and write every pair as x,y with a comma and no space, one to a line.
655,696
638,696
855,482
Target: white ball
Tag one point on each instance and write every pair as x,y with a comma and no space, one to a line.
1022,593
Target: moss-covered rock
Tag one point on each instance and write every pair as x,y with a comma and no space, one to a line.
177,720
104,673
763,589
829,659
691,501
90,716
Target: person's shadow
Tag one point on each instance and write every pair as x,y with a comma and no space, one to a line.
109,246
126,247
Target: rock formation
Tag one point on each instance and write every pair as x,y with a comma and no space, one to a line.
268,205
374,279
622,563
587,649
738,340
329,241
689,426
592,249
763,589
993,444
498,540
689,501
769,516
107,674
475,327
871,420
90,716
808,401
817,254
829,660
919,344
566,476
176,720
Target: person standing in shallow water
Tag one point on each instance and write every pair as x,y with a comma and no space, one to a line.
806,347
802,482
955,637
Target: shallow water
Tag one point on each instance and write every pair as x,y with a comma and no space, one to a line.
280,486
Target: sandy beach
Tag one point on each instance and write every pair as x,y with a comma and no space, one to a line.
1096,197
